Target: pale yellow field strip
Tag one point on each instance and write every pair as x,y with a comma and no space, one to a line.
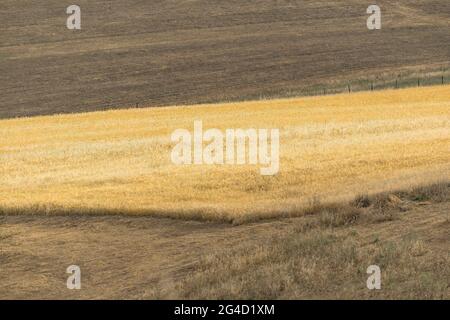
331,148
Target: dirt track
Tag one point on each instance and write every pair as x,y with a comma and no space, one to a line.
184,52
143,258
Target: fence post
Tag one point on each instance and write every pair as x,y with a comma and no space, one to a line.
349,88
371,86
396,83
418,82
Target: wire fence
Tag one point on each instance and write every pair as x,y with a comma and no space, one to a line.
373,85
341,86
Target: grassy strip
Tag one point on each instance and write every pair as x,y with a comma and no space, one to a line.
375,208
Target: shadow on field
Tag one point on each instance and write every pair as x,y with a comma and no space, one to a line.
334,213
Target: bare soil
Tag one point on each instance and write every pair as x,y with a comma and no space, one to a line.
154,53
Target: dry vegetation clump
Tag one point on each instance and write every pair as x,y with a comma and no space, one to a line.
342,216
386,206
437,193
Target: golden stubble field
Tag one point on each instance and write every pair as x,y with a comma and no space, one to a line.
332,148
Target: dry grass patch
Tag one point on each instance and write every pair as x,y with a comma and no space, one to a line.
320,264
326,256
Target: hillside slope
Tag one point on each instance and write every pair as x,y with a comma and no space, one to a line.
302,258
184,52
331,149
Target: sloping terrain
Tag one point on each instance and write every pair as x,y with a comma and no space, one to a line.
322,255
156,53
119,162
